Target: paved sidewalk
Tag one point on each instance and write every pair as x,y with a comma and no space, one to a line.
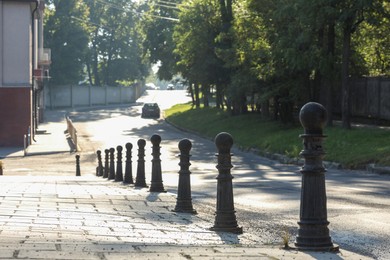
50,138
88,217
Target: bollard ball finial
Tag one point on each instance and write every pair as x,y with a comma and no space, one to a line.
155,139
112,150
129,146
141,143
224,142
119,148
313,117
185,146
99,152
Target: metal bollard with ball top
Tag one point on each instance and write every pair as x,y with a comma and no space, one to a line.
313,232
225,216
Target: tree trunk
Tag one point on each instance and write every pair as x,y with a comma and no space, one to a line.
89,72
319,74
197,102
95,62
191,93
206,94
276,107
329,81
219,96
265,108
345,109
109,59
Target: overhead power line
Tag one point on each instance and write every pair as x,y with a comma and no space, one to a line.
168,3
168,6
121,8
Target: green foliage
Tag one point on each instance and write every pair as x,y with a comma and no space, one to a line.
157,29
68,40
289,52
116,49
195,41
352,148
95,39
373,42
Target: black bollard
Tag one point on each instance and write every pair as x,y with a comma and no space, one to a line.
100,169
184,200
128,168
140,178
313,232
225,218
111,175
156,182
78,173
119,171
106,164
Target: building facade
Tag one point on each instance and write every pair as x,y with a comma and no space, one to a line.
23,66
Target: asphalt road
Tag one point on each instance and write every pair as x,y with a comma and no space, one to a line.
266,192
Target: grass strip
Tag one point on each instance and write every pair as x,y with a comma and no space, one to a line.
353,148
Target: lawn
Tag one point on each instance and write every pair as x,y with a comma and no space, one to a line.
353,148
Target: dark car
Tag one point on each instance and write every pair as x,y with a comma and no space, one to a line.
150,110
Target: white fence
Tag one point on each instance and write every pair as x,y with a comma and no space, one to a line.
79,96
72,133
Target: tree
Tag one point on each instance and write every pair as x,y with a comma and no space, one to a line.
372,41
352,14
68,40
116,51
96,38
157,27
194,39
251,63
292,54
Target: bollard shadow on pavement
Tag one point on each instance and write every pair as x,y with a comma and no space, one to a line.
228,238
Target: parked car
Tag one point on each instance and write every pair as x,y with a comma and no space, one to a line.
150,86
170,87
150,110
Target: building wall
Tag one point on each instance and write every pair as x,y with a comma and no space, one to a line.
16,44
15,115
15,72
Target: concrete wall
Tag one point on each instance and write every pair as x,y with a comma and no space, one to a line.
81,96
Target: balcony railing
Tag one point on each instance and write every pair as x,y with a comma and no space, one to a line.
44,57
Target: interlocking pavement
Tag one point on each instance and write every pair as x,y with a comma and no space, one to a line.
88,217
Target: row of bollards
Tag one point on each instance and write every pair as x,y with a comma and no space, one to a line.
225,214
313,232
112,172
225,219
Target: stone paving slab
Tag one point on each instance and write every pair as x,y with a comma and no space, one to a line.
135,251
